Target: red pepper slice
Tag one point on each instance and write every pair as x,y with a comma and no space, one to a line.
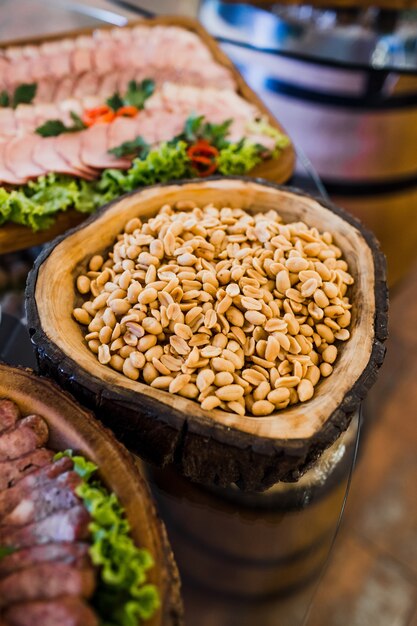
101,114
203,157
127,111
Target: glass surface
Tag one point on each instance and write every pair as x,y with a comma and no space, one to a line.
268,550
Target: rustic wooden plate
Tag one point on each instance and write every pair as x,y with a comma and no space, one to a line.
210,447
14,237
73,427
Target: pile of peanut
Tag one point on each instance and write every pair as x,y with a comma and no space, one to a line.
237,311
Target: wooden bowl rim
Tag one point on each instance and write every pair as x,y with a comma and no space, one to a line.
221,432
134,489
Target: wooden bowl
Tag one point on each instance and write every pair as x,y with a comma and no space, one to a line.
213,447
16,237
73,427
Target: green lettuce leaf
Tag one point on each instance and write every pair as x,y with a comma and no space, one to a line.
238,158
123,597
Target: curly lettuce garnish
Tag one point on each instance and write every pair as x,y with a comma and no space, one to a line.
123,597
37,204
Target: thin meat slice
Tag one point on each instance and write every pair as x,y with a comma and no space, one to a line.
18,157
94,149
56,495
86,85
69,553
68,146
9,414
13,471
7,122
66,611
81,60
46,155
6,175
29,434
63,526
9,499
46,581
121,130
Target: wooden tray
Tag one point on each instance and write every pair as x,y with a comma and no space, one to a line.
14,237
73,427
210,446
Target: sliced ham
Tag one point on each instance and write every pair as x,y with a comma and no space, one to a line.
13,471
30,433
7,176
46,156
80,60
66,611
86,84
46,581
7,122
69,553
18,157
9,414
68,146
63,526
94,149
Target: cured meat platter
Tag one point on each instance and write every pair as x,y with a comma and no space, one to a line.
89,115
48,572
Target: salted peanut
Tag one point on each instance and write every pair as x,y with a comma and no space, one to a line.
146,342
236,407
261,391
233,290
130,370
135,329
211,402
179,345
94,345
296,264
309,287
137,359
342,335
162,382
273,348
287,381
83,284
326,369
229,393
330,289
305,390
189,391
313,374
119,307
82,316
220,341
179,383
105,334
147,295
223,378
104,355
325,333
275,324
220,364
152,326
253,376
276,396
255,317
149,373
344,320
321,299
116,362
235,358
329,354
205,379
95,263
262,407
183,331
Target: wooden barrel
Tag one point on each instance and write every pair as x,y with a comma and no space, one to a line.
239,547
356,124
